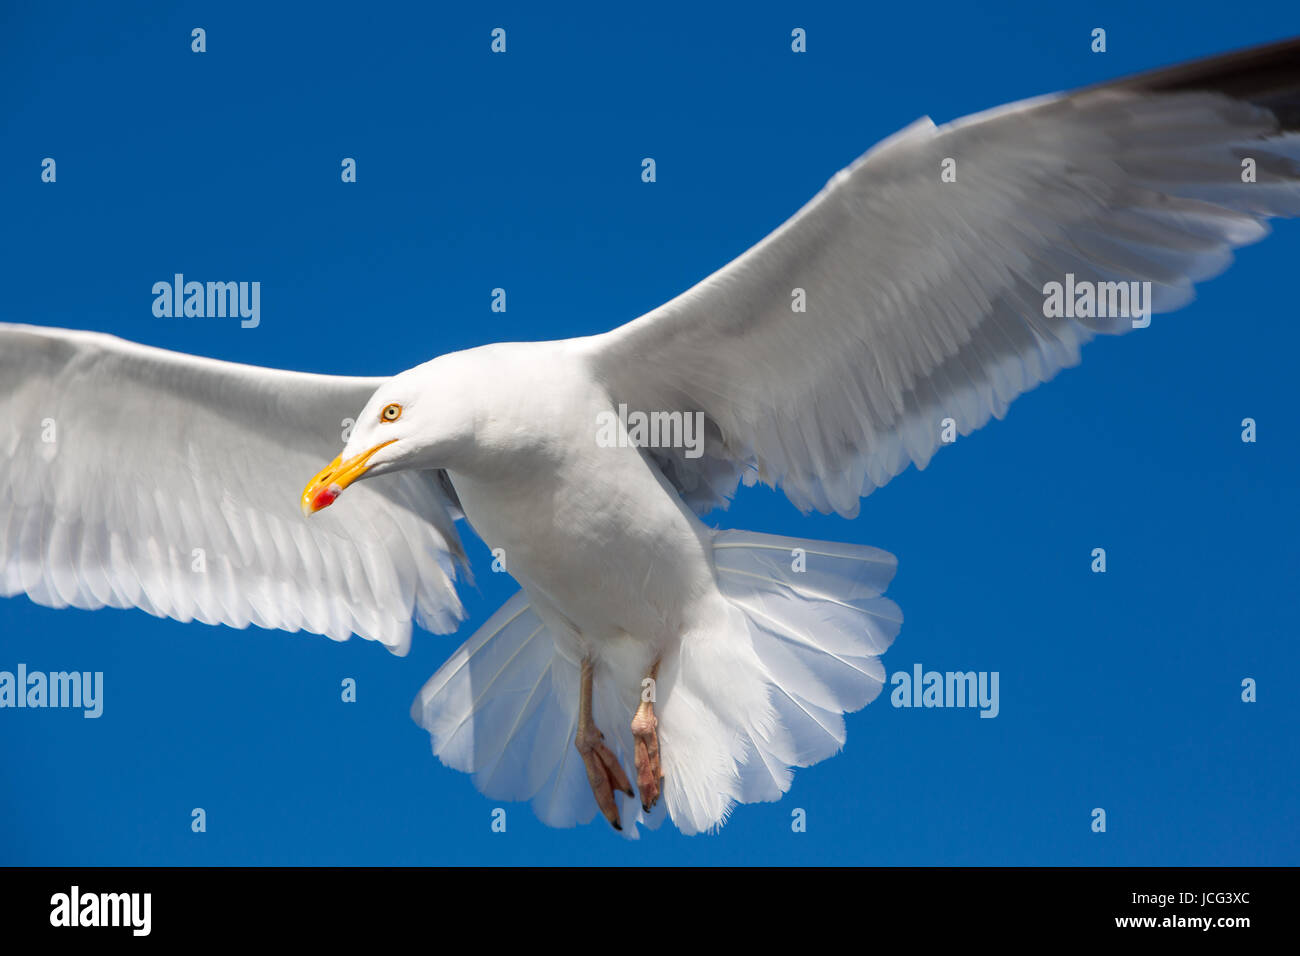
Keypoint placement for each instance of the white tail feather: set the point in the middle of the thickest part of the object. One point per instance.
(737, 710)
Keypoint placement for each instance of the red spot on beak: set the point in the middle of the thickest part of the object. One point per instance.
(325, 497)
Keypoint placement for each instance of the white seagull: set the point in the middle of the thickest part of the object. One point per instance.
(945, 272)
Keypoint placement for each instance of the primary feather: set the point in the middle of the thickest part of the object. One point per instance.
(925, 298)
(136, 477)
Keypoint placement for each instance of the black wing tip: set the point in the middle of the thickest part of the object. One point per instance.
(1266, 76)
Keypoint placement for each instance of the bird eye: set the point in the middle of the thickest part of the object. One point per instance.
(391, 413)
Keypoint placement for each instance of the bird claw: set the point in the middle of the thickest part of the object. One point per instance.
(649, 772)
(603, 773)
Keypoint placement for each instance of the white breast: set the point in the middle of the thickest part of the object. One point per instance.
(595, 533)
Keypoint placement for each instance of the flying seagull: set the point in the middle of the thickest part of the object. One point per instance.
(651, 665)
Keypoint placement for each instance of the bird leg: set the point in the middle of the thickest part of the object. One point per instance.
(603, 770)
(645, 728)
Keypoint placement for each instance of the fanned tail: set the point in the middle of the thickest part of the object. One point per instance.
(805, 625)
(809, 627)
(504, 708)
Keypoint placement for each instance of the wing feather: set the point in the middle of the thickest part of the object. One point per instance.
(136, 477)
(925, 299)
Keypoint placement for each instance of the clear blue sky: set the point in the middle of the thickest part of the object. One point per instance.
(522, 171)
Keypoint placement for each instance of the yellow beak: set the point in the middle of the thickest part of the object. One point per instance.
(334, 477)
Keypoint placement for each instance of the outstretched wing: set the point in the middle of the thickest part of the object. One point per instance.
(925, 299)
(137, 477)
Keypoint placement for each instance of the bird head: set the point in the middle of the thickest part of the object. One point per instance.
(418, 419)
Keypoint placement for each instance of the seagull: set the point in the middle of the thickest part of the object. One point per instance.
(651, 665)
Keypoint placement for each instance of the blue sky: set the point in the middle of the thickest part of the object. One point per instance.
(1118, 690)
